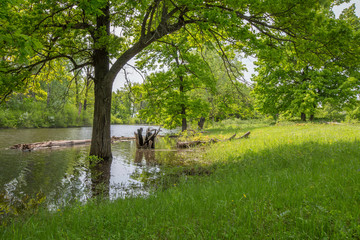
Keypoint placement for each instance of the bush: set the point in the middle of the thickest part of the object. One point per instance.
(330, 113)
(86, 118)
(36, 115)
(136, 120)
(8, 119)
(115, 120)
(353, 115)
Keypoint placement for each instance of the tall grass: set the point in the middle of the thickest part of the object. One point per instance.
(285, 182)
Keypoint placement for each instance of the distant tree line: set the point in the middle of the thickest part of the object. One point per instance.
(307, 59)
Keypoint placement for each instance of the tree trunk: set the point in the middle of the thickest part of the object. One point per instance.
(77, 98)
(77, 95)
(101, 138)
(201, 123)
(80, 107)
(184, 123)
(87, 87)
(311, 117)
(85, 103)
(48, 95)
(303, 117)
(182, 93)
(312, 113)
(104, 78)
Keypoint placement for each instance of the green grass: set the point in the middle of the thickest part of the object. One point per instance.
(285, 182)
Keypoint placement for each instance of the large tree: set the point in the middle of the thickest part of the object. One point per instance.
(179, 73)
(107, 34)
(291, 86)
(231, 97)
(295, 83)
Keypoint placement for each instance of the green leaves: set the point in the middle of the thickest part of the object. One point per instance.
(305, 75)
(288, 83)
(169, 92)
(33, 33)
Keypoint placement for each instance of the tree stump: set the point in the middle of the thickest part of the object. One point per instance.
(149, 141)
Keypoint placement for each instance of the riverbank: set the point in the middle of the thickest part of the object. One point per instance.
(297, 181)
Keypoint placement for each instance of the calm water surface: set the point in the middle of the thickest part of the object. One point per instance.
(63, 175)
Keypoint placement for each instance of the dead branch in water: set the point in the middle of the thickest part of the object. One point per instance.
(149, 140)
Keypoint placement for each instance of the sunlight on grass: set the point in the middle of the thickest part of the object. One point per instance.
(284, 182)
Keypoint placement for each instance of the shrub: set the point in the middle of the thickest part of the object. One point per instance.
(115, 120)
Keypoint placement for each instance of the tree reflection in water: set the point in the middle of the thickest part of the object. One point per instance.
(60, 177)
(149, 155)
(100, 178)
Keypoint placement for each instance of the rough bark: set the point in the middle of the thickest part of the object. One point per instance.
(101, 139)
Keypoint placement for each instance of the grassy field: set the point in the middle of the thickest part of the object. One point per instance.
(285, 182)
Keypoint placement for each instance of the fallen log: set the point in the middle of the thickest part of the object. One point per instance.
(121, 139)
(246, 135)
(189, 144)
(49, 144)
(213, 140)
(62, 143)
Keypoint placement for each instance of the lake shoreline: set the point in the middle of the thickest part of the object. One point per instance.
(262, 187)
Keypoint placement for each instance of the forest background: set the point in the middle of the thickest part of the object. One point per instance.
(182, 85)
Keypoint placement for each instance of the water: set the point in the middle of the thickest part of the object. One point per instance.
(64, 175)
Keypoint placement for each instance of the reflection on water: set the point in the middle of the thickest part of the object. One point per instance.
(65, 175)
(147, 155)
(100, 178)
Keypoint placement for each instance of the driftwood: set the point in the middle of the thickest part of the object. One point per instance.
(141, 142)
(246, 135)
(149, 140)
(172, 136)
(49, 144)
(121, 139)
(213, 140)
(62, 143)
(190, 144)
